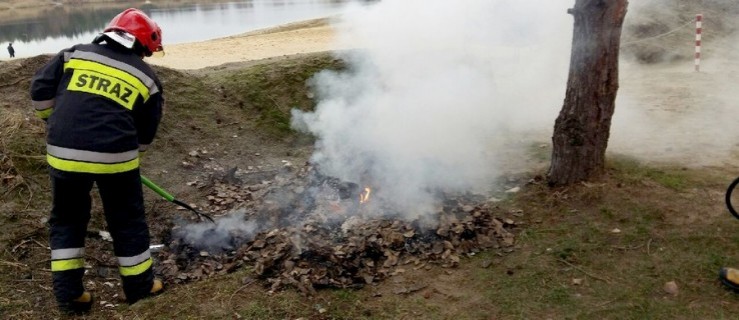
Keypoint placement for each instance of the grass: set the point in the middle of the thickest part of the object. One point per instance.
(623, 236)
(22, 171)
(673, 178)
(623, 272)
(269, 91)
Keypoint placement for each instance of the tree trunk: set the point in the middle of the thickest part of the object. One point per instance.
(582, 128)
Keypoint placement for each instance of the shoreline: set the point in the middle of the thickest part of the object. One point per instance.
(299, 37)
(309, 36)
(41, 4)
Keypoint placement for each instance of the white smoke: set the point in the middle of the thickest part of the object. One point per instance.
(435, 93)
(218, 237)
(667, 112)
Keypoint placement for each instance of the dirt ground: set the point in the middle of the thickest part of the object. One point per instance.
(569, 261)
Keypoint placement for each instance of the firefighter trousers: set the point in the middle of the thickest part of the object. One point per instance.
(123, 203)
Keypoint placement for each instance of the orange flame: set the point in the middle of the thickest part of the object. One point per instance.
(365, 195)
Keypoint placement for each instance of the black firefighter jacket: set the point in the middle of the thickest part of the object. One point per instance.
(102, 104)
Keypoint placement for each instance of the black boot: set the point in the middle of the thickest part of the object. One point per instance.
(157, 287)
(81, 305)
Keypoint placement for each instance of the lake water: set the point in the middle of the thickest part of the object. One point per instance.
(59, 27)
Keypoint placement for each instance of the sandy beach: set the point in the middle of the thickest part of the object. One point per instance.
(295, 38)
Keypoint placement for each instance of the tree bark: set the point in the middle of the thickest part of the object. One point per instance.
(583, 126)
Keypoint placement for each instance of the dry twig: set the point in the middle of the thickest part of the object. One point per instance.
(585, 272)
(240, 288)
(627, 247)
(13, 264)
(12, 84)
(19, 245)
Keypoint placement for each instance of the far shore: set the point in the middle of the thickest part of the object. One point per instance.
(9, 5)
(317, 35)
(310, 36)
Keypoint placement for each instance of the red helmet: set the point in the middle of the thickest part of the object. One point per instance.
(138, 24)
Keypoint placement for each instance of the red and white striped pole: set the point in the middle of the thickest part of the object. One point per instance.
(698, 32)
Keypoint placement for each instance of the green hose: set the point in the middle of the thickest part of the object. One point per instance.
(166, 195)
(157, 189)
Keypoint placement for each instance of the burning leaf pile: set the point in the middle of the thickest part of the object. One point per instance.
(304, 230)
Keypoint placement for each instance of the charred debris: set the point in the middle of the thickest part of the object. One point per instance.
(298, 228)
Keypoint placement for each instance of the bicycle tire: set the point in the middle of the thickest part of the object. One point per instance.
(729, 192)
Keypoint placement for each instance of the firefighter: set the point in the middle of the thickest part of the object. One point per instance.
(102, 104)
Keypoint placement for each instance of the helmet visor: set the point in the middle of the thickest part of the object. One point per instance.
(123, 38)
(159, 52)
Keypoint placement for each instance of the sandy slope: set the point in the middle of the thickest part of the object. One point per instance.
(670, 113)
(302, 37)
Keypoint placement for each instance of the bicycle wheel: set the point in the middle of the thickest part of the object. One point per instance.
(732, 198)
